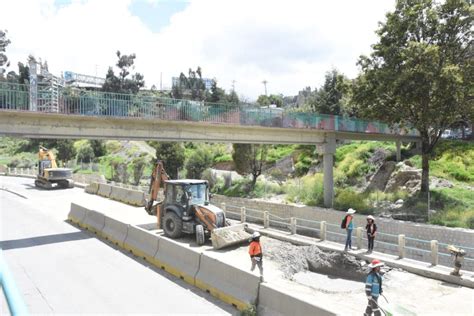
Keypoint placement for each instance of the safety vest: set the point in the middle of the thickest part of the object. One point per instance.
(255, 249)
(373, 284)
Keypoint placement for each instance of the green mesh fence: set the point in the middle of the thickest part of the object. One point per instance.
(96, 103)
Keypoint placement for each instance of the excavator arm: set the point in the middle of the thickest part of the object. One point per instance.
(45, 154)
(158, 178)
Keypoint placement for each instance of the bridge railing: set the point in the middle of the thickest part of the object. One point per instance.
(96, 103)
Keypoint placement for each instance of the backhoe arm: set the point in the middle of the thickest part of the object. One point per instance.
(158, 178)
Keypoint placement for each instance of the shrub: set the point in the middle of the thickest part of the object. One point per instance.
(307, 190)
(223, 158)
(210, 177)
(303, 164)
(200, 160)
(249, 311)
(112, 146)
(85, 153)
(138, 166)
(347, 198)
(470, 222)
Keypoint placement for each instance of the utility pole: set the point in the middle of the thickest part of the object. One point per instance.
(233, 85)
(265, 84)
(161, 81)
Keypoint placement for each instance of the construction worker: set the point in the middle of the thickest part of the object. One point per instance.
(255, 252)
(373, 288)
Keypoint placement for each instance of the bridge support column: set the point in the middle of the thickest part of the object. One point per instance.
(328, 149)
(399, 150)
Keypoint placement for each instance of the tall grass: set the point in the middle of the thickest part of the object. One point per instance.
(307, 190)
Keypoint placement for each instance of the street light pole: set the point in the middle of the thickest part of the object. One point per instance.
(265, 84)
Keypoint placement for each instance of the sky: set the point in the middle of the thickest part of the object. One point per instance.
(291, 44)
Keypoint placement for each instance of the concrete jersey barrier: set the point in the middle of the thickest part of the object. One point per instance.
(277, 302)
(142, 243)
(94, 222)
(115, 231)
(77, 214)
(179, 260)
(104, 190)
(131, 197)
(229, 284)
(92, 188)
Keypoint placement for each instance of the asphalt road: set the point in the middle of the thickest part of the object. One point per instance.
(61, 269)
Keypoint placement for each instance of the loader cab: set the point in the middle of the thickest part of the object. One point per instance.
(184, 193)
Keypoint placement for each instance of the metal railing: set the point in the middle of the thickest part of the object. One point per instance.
(147, 105)
(328, 231)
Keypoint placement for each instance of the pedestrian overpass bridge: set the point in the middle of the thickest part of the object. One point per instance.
(101, 115)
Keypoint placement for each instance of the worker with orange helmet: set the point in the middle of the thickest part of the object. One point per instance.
(373, 288)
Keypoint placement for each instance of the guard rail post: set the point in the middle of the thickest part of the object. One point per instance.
(266, 219)
(243, 214)
(434, 252)
(359, 237)
(401, 246)
(322, 230)
(293, 225)
(15, 170)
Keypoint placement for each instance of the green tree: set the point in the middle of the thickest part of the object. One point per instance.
(249, 159)
(217, 94)
(66, 150)
(23, 73)
(123, 83)
(200, 160)
(420, 72)
(98, 146)
(264, 100)
(232, 97)
(4, 42)
(85, 153)
(332, 97)
(138, 166)
(192, 86)
(172, 155)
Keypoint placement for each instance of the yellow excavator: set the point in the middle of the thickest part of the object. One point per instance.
(185, 209)
(49, 175)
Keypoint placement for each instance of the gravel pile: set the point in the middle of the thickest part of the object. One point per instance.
(293, 259)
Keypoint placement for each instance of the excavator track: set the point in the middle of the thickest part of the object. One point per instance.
(43, 184)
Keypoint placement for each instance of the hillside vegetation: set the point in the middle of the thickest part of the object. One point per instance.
(292, 174)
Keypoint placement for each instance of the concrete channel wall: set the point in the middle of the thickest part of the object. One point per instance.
(195, 266)
(418, 236)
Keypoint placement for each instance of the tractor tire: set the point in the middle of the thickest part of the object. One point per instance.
(172, 225)
(200, 237)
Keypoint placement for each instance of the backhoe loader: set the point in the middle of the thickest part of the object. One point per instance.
(186, 210)
(49, 175)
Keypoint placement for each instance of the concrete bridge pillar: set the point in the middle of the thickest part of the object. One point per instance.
(328, 149)
(399, 151)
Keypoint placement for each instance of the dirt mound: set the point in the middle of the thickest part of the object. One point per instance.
(293, 259)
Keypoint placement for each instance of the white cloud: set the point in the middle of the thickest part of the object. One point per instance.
(291, 44)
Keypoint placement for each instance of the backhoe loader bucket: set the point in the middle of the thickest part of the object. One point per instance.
(229, 235)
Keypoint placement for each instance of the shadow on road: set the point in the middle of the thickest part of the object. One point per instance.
(42, 240)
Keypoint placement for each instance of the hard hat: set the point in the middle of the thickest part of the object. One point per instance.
(370, 217)
(375, 263)
(255, 235)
